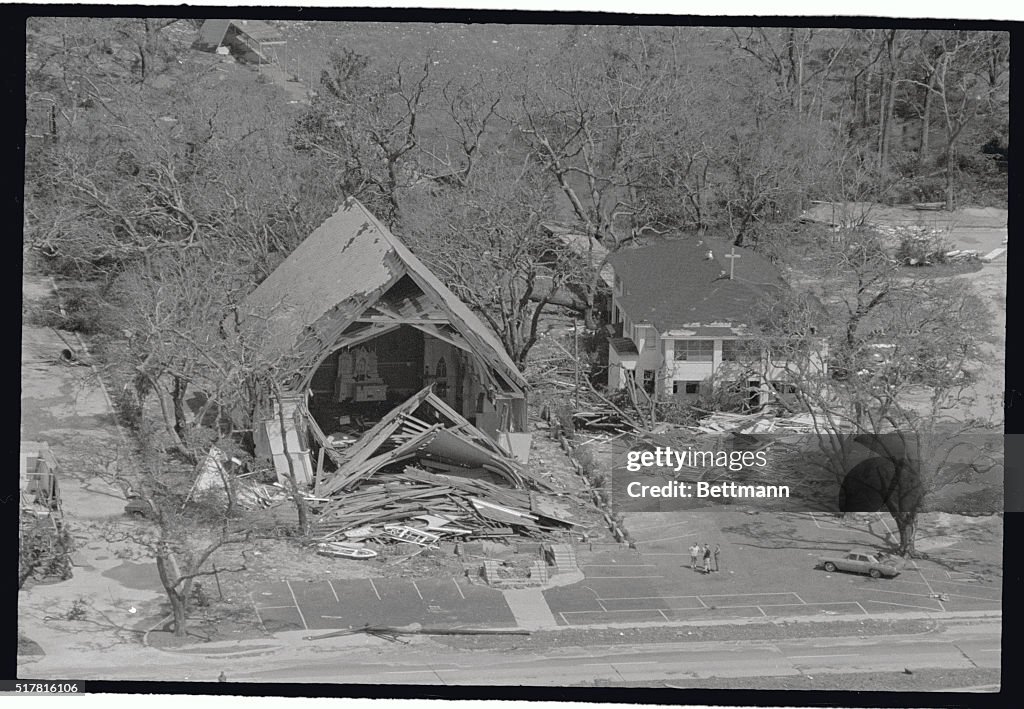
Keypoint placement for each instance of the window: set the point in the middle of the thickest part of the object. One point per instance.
(695, 350)
(649, 335)
(735, 350)
(682, 387)
(649, 381)
(784, 388)
(645, 334)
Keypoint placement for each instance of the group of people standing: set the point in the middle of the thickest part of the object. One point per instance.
(702, 552)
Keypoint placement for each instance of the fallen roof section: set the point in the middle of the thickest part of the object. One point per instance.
(343, 269)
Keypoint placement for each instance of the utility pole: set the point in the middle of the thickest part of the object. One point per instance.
(732, 256)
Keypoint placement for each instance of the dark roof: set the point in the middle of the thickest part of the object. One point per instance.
(673, 285)
(211, 34)
(344, 267)
(258, 30)
(624, 346)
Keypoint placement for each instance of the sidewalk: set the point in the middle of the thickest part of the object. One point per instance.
(67, 407)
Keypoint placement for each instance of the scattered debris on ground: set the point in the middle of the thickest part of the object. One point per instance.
(765, 421)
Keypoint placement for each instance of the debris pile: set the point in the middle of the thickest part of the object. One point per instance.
(396, 505)
(424, 473)
(762, 422)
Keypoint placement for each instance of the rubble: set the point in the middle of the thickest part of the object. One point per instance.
(420, 506)
(761, 422)
(423, 473)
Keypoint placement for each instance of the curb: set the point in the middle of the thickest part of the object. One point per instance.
(786, 620)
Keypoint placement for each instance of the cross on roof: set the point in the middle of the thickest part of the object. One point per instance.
(732, 256)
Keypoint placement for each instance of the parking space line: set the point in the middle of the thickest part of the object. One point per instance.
(666, 539)
(958, 583)
(862, 608)
(564, 619)
(730, 595)
(336, 600)
(958, 595)
(786, 605)
(645, 598)
(257, 611)
(374, 587)
(665, 553)
(273, 608)
(901, 593)
(634, 530)
(896, 580)
(663, 615)
(923, 595)
(930, 589)
(417, 589)
(807, 657)
(296, 600)
(457, 588)
(766, 605)
(603, 606)
(701, 600)
(625, 610)
(815, 520)
(591, 578)
(904, 605)
(800, 599)
(616, 565)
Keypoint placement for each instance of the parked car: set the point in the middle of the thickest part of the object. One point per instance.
(863, 561)
(137, 507)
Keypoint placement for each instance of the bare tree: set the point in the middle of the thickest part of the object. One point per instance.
(183, 530)
(366, 123)
(964, 71)
(902, 394)
(486, 240)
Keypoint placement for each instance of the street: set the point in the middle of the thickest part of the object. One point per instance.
(366, 660)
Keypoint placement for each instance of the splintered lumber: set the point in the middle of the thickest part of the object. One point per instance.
(482, 508)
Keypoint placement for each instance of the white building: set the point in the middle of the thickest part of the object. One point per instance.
(686, 321)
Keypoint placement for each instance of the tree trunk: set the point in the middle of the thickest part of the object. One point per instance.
(165, 411)
(178, 610)
(926, 118)
(293, 484)
(167, 570)
(907, 526)
(950, 158)
(178, 401)
(887, 125)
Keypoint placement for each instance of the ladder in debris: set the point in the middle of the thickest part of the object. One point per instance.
(409, 534)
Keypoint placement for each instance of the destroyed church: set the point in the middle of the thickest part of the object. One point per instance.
(388, 369)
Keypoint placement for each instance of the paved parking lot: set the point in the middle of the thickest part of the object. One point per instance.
(768, 571)
(354, 603)
(655, 583)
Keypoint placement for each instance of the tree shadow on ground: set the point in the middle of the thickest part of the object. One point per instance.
(780, 535)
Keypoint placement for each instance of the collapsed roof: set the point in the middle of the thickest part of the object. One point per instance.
(343, 269)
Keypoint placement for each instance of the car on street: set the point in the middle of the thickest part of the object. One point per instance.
(137, 507)
(863, 561)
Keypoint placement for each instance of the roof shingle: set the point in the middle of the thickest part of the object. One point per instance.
(673, 285)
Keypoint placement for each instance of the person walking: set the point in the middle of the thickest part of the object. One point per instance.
(718, 550)
(707, 559)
